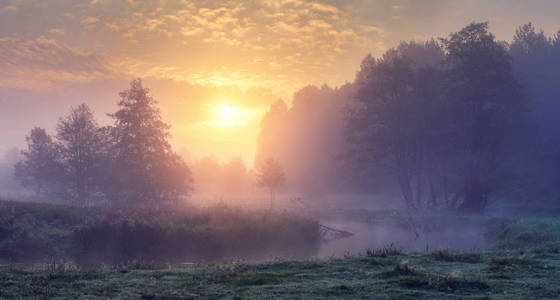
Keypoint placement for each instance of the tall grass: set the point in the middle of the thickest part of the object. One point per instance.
(95, 236)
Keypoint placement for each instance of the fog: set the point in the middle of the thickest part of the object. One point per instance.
(427, 144)
(378, 235)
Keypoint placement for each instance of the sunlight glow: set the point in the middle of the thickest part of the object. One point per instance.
(229, 115)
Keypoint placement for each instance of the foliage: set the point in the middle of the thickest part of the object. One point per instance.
(82, 146)
(441, 118)
(128, 163)
(488, 106)
(395, 113)
(40, 168)
(95, 236)
(146, 170)
(532, 169)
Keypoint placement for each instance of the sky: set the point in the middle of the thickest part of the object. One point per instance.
(214, 66)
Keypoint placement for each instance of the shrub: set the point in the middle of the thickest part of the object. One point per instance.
(31, 232)
(389, 250)
(234, 234)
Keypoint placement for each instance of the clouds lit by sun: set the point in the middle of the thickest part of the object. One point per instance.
(214, 66)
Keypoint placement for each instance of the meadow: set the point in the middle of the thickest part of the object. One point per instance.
(522, 261)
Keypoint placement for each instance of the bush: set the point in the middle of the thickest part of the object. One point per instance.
(92, 236)
(389, 250)
(225, 235)
(125, 242)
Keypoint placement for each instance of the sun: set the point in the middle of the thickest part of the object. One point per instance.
(229, 115)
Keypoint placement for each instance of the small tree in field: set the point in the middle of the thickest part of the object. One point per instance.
(270, 175)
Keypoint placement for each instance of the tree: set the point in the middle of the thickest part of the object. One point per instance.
(393, 116)
(308, 139)
(81, 147)
(534, 172)
(527, 41)
(7, 164)
(144, 159)
(40, 168)
(270, 175)
(486, 105)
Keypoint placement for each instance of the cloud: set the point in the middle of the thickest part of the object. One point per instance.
(374, 29)
(89, 21)
(268, 42)
(112, 27)
(9, 8)
(190, 31)
(59, 31)
(41, 62)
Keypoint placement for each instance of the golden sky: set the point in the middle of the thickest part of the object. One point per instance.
(214, 66)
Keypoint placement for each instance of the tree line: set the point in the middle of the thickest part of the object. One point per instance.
(454, 123)
(130, 162)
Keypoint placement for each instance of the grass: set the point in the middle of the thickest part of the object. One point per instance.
(31, 232)
(523, 232)
(524, 263)
(389, 250)
(447, 255)
(402, 276)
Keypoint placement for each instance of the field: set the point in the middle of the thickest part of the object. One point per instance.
(522, 262)
(493, 274)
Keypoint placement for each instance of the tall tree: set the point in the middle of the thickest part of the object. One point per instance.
(392, 116)
(143, 154)
(307, 138)
(81, 147)
(487, 105)
(534, 167)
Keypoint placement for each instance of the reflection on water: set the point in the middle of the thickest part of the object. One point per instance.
(371, 236)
